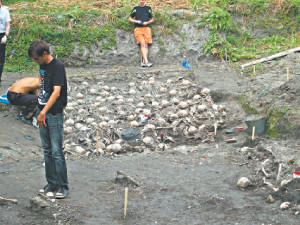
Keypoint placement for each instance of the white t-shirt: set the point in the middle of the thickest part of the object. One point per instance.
(4, 17)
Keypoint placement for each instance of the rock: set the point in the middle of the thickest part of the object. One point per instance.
(270, 199)
(39, 202)
(243, 182)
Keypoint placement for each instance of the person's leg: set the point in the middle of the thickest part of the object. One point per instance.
(30, 102)
(144, 50)
(2, 57)
(55, 126)
(50, 167)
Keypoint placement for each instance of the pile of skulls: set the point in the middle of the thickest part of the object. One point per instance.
(97, 113)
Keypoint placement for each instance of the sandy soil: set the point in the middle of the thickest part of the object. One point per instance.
(190, 183)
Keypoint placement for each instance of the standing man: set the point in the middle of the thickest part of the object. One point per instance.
(51, 101)
(4, 31)
(142, 17)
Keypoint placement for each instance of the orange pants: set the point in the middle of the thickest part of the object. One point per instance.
(143, 33)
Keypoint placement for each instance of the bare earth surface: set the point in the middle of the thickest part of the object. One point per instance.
(189, 183)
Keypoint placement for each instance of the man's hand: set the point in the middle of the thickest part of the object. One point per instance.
(41, 120)
(4, 39)
(145, 23)
(138, 22)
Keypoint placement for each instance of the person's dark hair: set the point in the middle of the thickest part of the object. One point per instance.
(39, 47)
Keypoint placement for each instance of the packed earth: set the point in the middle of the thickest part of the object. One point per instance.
(177, 138)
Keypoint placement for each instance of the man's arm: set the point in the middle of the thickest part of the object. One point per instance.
(131, 20)
(7, 28)
(42, 116)
(149, 22)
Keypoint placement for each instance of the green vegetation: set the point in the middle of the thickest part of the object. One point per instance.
(247, 106)
(90, 24)
(65, 24)
(237, 19)
(278, 122)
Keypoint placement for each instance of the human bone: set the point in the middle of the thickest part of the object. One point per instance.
(182, 113)
(131, 84)
(138, 110)
(130, 117)
(106, 118)
(186, 82)
(169, 81)
(120, 101)
(89, 120)
(150, 126)
(104, 93)
(285, 205)
(106, 88)
(112, 122)
(68, 130)
(151, 80)
(80, 102)
(183, 105)
(192, 130)
(69, 122)
(175, 101)
(93, 91)
(81, 111)
(201, 108)
(114, 148)
(155, 104)
(141, 105)
(205, 91)
(201, 128)
(148, 140)
(102, 109)
(132, 92)
(163, 89)
(103, 124)
(130, 100)
(173, 92)
(78, 126)
(80, 150)
(134, 123)
(196, 97)
(79, 96)
(243, 182)
(164, 103)
(69, 108)
(173, 116)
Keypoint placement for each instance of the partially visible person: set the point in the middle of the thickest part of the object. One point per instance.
(142, 17)
(4, 31)
(51, 101)
(24, 92)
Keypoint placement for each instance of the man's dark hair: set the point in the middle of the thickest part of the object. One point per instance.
(39, 47)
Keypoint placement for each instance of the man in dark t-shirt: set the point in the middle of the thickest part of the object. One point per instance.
(51, 102)
(142, 16)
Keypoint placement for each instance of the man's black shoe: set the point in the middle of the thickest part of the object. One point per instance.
(62, 193)
(48, 190)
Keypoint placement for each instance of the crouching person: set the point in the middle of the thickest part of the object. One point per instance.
(24, 92)
(51, 102)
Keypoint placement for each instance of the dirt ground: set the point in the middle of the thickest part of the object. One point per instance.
(189, 183)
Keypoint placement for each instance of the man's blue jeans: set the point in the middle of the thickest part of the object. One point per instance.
(52, 138)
